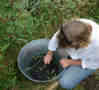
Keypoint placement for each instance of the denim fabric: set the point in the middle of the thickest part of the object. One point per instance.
(73, 75)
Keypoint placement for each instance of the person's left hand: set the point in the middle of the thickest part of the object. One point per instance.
(65, 62)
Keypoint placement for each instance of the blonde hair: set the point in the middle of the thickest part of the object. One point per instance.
(74, 31)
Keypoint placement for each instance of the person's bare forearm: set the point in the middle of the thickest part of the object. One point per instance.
(75, 62)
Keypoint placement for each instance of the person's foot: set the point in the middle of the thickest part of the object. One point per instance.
(53, 86)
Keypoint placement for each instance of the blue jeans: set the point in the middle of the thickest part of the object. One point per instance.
(69, 77)
(73, 75)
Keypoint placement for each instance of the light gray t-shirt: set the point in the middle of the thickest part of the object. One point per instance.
(88, 55)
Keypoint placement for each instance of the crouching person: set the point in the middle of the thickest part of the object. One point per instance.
(79, 39)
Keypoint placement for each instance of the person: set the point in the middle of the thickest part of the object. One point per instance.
(79, 39)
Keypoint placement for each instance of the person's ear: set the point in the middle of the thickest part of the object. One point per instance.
(89, 28)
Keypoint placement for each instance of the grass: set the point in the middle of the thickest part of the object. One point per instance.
(19, 26)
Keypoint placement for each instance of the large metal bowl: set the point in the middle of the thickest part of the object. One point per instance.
(25, 62)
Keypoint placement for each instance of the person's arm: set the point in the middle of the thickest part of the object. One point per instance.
(75, 62)
(52, 45)
(90, 59)
(53, 42)
(70, 62)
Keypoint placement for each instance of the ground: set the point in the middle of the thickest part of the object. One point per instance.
(18, 27)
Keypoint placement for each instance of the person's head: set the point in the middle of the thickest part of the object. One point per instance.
(74, 34)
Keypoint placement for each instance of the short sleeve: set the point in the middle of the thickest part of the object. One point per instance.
(53, 42)
(90, 59)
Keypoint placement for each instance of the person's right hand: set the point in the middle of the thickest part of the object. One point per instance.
(47, 59)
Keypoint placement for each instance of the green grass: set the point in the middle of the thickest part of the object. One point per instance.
(19, 26)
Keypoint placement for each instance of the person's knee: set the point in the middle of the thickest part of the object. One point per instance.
(66, 83)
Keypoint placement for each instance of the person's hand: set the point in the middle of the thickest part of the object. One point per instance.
(65, 62)
(47, 59)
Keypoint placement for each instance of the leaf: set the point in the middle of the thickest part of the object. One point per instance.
(79, 87)
(13, 81)
(2, 66)
(1, 57)
(97, 77)
(5, 47)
